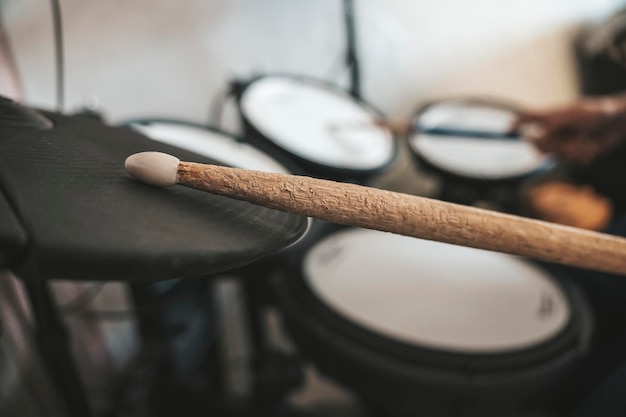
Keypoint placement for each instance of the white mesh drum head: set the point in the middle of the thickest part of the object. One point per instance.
(436, 295)
(221, 147)
(317, 123)
(471, 156)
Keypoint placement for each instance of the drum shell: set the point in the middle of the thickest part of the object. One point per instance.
(311, 168)
(403, 379)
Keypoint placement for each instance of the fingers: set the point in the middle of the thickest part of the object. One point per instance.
(525, 118)
(583, 149)
(575, 134)
(532, 127)
(617, 51)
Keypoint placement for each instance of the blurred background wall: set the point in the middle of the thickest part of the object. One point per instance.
(172, 58)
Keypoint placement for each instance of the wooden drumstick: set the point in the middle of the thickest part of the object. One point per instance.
(371, 208)
(402, 129)
(399, 127)
(529, 131)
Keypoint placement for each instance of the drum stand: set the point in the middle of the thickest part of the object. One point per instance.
(167, 311)
(274, 373)
(153, 380)
(54, 345)
(352, 61)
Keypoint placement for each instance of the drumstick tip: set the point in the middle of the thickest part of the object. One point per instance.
(153, 168)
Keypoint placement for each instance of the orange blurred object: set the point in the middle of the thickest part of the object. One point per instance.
(570, 204)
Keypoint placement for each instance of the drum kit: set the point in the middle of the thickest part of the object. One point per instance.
(410, 326)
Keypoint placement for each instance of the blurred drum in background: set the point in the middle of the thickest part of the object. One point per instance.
(213, 143)
(417, 327)
(470, 146)
(304, 119)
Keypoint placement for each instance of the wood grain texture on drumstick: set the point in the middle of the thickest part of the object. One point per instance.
(359, 206)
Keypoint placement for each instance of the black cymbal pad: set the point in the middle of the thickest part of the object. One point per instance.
(86, 219)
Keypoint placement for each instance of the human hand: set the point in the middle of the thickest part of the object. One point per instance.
(577, 133)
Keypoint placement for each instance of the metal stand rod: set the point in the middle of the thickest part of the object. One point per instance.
(352, 60)
(55, 348)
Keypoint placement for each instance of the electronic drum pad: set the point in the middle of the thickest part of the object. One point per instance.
(68, 207)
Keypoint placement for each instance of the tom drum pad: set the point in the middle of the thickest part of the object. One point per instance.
(470, 145)
(323, 128)
(416, 325)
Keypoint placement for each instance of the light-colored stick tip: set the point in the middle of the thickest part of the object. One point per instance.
(154, 168)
